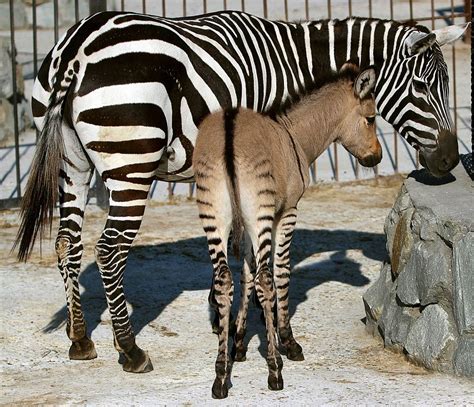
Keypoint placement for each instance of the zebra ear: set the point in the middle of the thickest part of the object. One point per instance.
(365, 83)
(418, 42)
(450, 33)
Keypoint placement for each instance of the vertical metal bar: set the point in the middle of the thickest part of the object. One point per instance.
(191, 190)
(144, 6)
(329, 9)
(56, 20)
(35, 39)
(163, 8)
(350, 8)
(370, 8)
(15, 100)
(242, 5)
(185, 11)
(76, 10)
(411, 19)
(286, 10)
(411, 9)
(122, 5)
(265, 9)
(454, 76)
(395, 135)
(336, 163)
(306, 9)
(468, 13)
(432, 15)
(170, 191)
(225, 8)
(204, 6)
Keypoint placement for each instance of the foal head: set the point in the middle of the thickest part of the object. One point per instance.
(356, 132)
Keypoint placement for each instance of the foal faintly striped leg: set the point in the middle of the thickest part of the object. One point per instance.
(247, 284)
(281, 271)
(123, 222)
(264, 287)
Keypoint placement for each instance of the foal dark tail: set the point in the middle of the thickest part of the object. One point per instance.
(41, 192)
(237, 223)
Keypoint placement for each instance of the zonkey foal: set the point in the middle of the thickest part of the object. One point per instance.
(251, 170)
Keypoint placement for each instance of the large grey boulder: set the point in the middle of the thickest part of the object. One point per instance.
(423, 302)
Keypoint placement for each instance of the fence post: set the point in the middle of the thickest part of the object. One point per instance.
(468, 12)
(97, 5)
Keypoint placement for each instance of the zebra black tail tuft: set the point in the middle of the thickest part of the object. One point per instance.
(41, 192)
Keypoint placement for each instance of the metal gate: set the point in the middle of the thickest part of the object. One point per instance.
(45, 22)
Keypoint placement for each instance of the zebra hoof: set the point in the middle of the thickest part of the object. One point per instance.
(82, 349)
(275, 381)
(137, 361)
(219, 389)
(240, 356)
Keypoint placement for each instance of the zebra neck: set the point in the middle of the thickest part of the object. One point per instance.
(365, 42)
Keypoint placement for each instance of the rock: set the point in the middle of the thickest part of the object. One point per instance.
(426, 308)
(464, 357)
(374, 297)
(402, 242)
(463, 274)
(431, 338)
(426, 277)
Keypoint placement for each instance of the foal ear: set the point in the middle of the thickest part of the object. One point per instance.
(365, 83)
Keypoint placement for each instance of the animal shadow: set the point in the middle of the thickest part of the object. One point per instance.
(157, 274)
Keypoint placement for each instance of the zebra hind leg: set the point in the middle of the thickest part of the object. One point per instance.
(74, 179)
(111, 251)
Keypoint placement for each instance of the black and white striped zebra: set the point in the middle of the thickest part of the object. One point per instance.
(125, 93)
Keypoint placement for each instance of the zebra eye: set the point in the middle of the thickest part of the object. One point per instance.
(420, 86)
(370, 119)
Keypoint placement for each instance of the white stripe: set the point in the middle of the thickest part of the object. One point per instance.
(361, 33)
(307, 43)
(350, 24)
(332, 58)
(385, 39)
(373, 25)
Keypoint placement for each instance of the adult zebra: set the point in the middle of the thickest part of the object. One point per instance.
(124, 93)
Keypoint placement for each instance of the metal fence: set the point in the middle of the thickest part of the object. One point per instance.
(29, 52)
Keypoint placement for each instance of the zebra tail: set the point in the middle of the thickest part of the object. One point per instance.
(232, 182)
(42, 189)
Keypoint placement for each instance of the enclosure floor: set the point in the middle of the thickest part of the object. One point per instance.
(337, 252)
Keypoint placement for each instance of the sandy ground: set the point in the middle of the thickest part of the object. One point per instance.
(338, 248)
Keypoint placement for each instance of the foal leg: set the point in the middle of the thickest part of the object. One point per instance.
(123, 222)
(266, 294)
(247, 284)
(281, 270)
(74, 179)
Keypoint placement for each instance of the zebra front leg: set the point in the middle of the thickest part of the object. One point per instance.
(247, 284)
(266, 295)
(281, 271)
(74, 180)
(112, 250)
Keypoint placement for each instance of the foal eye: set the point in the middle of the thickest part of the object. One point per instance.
(370, 119)
(420, 86)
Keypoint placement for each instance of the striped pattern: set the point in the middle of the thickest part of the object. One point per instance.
(129, 92)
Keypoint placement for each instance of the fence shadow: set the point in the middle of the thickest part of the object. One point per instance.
(157, 274)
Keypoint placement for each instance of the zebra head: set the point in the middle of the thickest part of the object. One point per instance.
(413, 95)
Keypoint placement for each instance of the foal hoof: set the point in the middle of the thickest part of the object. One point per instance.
(219, 389)
(275, 381)
(137, 361)
(295, 353)
(82, 349)
(240, 356)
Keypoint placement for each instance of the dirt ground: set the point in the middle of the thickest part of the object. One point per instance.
(337, 252)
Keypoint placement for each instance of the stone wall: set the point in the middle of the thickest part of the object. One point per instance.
(423, 302)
